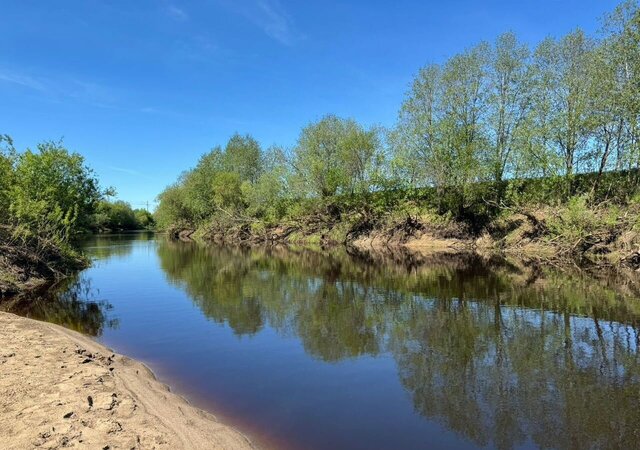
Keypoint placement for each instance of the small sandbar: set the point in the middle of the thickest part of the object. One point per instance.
(59, 389)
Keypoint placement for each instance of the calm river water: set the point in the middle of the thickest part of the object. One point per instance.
(325, 350)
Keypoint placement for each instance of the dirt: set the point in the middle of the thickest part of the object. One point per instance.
(526, 233)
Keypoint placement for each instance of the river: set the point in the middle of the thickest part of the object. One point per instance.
(310, 349)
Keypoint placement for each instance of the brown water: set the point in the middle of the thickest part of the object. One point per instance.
(323, 350)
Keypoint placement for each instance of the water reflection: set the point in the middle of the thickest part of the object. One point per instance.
(105, 246)
(494, 353)
(73, 303)
(505, 375)
(501, 354)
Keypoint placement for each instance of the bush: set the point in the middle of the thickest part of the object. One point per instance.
(52, 193)
(144, 219)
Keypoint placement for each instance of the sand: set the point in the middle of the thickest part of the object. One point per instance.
(60, 389)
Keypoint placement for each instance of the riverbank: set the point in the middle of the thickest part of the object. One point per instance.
(31, 262)
(61, 389)
(605, 235)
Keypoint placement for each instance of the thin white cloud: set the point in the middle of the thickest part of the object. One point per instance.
(176, 13)
(21, 79)
(132, 172)
(93, 93)
(150, 110)
(197, 47)
(125, 170)
(61, 88)
(270, 16)
(273, 19)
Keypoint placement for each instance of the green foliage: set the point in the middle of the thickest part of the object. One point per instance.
(243, 156)
(172, 208)
(119, 216)
(46, 197)
(579, 221)
(502, 111)
(144, 219)
(7, 174)
(336, 156)
(509, 104)
(226, 190)
(226, 182)
(53, 192)
(266, 197)
(576, 220)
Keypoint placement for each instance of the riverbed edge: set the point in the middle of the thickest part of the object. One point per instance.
(528, 236)
(174, 420)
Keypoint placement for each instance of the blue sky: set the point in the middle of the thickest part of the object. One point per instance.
(142, 88)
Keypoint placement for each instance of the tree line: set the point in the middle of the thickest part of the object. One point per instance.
(118, 215)
(483, 124)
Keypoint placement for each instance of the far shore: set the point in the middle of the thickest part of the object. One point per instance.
(61, 389)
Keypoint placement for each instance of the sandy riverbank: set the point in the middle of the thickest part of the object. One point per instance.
(61, 389)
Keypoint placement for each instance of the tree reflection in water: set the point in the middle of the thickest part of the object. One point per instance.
(104, 246)
(72, 304)
(499, 353)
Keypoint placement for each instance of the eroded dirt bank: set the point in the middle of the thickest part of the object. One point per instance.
(605, 237)
(61, 389)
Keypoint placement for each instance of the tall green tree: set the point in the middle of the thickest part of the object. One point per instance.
(317, 156)
(116, 215)
(441, 139)
(608, 115)
(335, 155)
(198, 184)
(361, 157)
(172, 208)
(565, 66)
(266, 198)
(144, 219)
(539, 157)
(243, 155)
(218, 184)
(508, 104)
(622, 43)
(464, 99)
(416, 140)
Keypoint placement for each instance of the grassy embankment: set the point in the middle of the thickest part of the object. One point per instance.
(535, 219)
